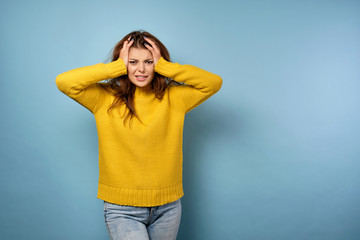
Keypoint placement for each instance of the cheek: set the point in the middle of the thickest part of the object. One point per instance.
(150, 70)
(130, 69)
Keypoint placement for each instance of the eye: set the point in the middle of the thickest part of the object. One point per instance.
(132, 62)
(150, 62)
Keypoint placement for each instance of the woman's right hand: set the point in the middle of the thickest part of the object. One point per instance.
(124, 51)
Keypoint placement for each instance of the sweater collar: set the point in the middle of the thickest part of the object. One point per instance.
(141, 92)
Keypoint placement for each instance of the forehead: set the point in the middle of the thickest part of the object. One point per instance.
(139, 53)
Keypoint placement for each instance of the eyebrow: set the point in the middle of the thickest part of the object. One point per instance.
(144, 60)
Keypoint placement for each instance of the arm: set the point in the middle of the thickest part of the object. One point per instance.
(200, 84)
(81, 83)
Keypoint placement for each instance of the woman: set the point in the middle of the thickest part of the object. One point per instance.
(139, 115)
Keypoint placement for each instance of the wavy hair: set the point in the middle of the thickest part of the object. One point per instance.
(123, 89)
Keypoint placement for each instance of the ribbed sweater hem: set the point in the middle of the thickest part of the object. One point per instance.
(140, 197)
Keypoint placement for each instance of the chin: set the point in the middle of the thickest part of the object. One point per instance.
(142, 84)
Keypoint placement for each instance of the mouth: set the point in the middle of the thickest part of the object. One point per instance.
(140, 77)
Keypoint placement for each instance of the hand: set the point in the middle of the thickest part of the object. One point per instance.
(124, 52)
(154, 49)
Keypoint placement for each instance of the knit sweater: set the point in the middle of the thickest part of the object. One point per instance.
(140, 164)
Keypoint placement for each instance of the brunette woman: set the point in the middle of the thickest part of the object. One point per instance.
(139, 111)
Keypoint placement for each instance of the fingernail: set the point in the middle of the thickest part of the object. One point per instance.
(145, 37)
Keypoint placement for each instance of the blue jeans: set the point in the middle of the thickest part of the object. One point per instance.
(140, 223)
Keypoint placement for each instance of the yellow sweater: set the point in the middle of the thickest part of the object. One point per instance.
(140, 165)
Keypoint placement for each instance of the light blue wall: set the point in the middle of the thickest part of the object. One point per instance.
(274, 155)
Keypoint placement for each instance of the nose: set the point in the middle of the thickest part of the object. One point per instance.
(141, 67)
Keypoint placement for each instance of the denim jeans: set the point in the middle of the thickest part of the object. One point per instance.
(140, 223)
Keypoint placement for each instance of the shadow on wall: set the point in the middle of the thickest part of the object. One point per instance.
(204, 128)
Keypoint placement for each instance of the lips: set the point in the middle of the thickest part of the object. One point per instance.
(140, 77)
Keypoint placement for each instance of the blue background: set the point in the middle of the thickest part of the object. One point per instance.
(274, 155)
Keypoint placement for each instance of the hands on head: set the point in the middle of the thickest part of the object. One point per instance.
(150, 45)
(124, 51)
(155, 51)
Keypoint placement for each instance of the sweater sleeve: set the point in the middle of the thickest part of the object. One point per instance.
(81, 84)
(199, 84)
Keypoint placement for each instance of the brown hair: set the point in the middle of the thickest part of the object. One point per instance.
(123, 89)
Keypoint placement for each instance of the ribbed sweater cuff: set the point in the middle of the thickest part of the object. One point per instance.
(116, 68)
(140, 197)
(165, 68)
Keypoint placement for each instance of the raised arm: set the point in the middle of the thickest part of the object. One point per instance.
(199, 84)
(81, 83)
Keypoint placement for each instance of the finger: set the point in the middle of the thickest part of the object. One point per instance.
(125, 44)
(153, 44)
(131, 41)
(128, 42)
(148, 46)
(124, 47)
(151, 49)
(149, 40)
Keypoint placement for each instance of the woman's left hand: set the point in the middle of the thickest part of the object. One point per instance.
(154, 49)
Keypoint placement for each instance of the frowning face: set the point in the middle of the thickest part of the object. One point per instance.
(140, 67)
